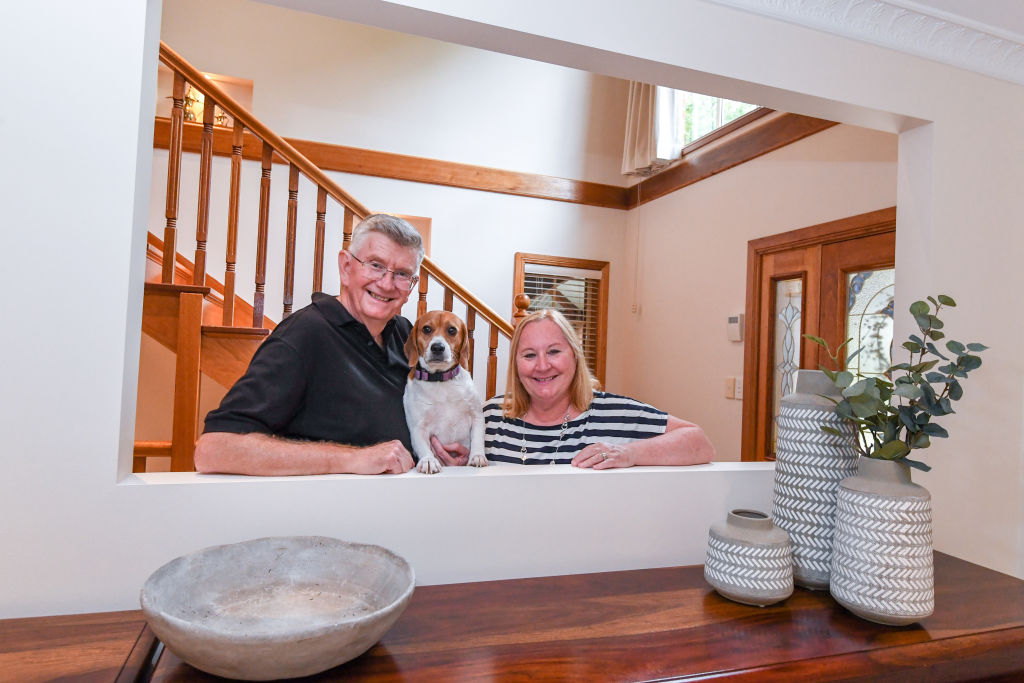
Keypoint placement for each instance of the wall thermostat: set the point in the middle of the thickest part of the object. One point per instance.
(734, 327)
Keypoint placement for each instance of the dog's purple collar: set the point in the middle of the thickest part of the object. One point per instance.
(436, 376)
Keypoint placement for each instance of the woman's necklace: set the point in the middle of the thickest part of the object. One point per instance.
(561, 434)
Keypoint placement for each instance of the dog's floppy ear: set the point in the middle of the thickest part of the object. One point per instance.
(412, 349)
(464, 351)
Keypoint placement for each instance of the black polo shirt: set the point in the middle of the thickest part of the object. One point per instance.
(320, 376)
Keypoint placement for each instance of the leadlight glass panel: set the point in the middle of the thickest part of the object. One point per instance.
(869, 320)
(788, 331)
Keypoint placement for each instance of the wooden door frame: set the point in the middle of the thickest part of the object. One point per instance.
(853, 227)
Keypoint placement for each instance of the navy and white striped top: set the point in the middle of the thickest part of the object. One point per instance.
(610, 419)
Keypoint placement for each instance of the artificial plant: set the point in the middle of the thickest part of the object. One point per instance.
(895, 412)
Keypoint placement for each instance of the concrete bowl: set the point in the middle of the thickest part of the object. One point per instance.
(276, 607)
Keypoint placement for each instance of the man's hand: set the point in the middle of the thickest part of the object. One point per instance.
(449, 454)
(389, 457)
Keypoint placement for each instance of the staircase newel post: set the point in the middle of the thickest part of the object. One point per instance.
(185, 418)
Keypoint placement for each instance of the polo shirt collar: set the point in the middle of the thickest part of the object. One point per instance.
(336, 314)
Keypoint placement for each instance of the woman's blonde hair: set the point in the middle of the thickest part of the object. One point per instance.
(581, 390)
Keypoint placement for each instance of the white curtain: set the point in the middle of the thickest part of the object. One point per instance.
(654, 128)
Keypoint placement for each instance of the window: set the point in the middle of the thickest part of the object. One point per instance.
(578, 289)
(687, 117)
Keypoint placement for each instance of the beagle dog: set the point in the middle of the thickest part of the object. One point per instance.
(440, 399)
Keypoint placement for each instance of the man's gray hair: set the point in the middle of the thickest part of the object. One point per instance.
(394, 228)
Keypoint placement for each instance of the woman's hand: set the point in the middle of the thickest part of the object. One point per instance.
(604, 456)
(450, 454)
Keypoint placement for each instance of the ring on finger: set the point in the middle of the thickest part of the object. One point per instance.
(604, 456)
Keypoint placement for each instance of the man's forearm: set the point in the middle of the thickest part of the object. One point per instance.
(265, 455)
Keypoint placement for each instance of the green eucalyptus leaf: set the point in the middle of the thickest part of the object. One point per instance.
(968, 363)
(955, 347)
(936, 335)
(911, 346)
(935, 377)
(917, 465)
(932, 429)
(920, 441)
(817, 340)
(934, 302)
(924, 323)
(936, 324)
(956, 392)
(853, 355)
(844, 379)
(946, 406)
(917, 340)
(922, 418)
(919, 308)
(924, 367)
(891, 451)
(947, 300)
(831, 430)
(906, 415)
(976, 347)
(898, 366)
(911, 391)
(932, 349)
(831, 374)
(864, 405)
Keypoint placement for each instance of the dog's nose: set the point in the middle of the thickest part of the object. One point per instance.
(437, 348)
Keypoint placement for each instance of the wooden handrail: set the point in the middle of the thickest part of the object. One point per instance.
(281, 147)
(176, 62)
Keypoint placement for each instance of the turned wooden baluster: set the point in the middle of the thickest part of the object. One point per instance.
(261, 240)
(492, 362)
(173, 177)
(203, 210)
(289, 246)
(231, 249)
(449, 299)
(318, 240)
(421, 305)
(470, 327)
(347, 226)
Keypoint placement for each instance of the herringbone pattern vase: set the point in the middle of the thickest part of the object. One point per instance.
(749, 560)
(809, 464)
(882, 557)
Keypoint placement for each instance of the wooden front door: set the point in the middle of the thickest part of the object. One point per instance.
(811, 281)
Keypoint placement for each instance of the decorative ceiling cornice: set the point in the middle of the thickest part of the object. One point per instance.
(905, 26)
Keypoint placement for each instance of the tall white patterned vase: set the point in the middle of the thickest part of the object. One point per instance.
(882, 562)
(749, 559)
(809, 464)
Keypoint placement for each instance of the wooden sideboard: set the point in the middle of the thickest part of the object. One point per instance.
(652, 624)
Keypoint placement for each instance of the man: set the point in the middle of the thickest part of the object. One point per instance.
(323, 393)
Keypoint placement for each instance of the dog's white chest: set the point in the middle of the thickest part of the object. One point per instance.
(442, 409)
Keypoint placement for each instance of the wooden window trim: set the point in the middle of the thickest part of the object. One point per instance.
(519, 285)
(815, 236)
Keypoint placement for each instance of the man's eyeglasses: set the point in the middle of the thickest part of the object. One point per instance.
(377, 271)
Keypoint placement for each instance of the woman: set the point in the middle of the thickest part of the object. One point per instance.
(551, 414)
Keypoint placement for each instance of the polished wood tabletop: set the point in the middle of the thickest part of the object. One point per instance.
(653, 624)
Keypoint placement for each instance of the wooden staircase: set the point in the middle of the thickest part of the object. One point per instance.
(209, 327)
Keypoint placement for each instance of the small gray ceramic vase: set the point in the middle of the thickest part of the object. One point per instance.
(882, 564)
(749, 559)
(809, 464)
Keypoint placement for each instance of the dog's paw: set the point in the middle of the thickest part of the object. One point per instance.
(428, 466)
(478, 460)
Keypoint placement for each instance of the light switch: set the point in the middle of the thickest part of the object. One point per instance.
(730, 387)
(739, 388)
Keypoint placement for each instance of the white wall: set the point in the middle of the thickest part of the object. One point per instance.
(693, 260)
(334, 81)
